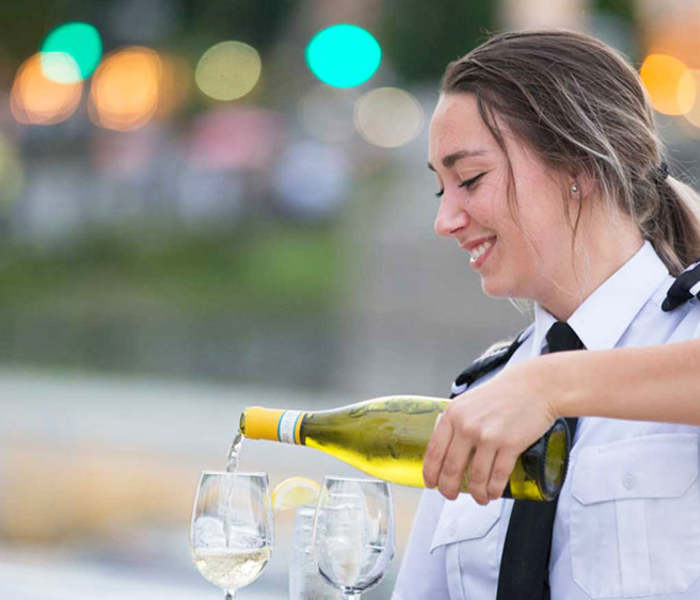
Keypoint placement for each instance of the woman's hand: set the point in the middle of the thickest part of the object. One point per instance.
(487, 428)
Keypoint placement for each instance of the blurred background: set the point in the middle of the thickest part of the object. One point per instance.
(213, 204)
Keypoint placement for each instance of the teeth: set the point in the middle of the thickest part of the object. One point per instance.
(479, 250)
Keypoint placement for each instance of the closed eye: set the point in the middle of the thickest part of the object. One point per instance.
(470, 182)
(465, 184)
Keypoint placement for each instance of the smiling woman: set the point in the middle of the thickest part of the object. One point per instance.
(521, 257)
(551, 175)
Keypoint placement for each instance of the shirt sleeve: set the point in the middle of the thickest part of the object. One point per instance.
(422, 574)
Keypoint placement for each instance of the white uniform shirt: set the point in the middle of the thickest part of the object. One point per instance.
(628, 519)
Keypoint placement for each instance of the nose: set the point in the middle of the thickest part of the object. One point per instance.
(451, 218)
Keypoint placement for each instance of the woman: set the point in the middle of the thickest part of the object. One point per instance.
(551, 176)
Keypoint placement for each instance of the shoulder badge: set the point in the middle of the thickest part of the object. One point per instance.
(495, 357)
(685, 287)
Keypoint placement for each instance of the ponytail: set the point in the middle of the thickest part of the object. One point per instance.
(674, 227)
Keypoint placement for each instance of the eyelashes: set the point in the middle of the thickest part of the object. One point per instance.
(465, 184)
(470, 182)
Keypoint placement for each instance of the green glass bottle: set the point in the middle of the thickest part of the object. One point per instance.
(387, 438)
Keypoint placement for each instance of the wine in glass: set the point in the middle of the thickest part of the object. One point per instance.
(354, 533)
(231, 533)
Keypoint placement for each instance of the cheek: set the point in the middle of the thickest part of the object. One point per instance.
(524, 241)
(488, 209)
(541, 246)
(550, 228)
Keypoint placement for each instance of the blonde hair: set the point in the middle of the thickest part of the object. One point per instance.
(582, 109)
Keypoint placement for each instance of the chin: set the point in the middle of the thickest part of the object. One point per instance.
(493, 289)
(498, 288)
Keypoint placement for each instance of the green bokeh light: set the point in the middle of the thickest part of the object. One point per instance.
(79, 40)
(343, 55)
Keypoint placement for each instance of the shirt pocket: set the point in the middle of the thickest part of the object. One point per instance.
(635, 516)
(468, 533)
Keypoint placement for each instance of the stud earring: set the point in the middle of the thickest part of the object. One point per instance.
(574, 188)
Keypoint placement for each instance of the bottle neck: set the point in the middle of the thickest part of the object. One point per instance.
(273, 424)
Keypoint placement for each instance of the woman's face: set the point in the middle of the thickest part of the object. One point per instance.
(517, 260)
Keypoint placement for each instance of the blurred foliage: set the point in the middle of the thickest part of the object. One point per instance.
(23, 25)
(251, 21)
(624, 9)
(269, 267)
(420, 39)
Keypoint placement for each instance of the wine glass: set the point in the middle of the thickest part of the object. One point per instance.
(353, 534)
(231, 533)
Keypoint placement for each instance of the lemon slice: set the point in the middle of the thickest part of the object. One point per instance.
(295, 492)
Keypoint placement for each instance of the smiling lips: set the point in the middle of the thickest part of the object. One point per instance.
(479, 251)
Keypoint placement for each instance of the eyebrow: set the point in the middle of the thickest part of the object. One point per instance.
(449, 161)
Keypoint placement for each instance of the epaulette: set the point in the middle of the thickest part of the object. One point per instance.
(495, 357)
(686, 286)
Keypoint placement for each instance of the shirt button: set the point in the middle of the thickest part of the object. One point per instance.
(628, 481)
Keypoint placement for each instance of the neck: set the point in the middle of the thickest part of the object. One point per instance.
(598, 253)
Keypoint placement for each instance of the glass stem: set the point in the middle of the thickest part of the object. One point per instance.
(352, 596)
(230, 595)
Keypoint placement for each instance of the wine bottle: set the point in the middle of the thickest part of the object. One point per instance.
(387, 438)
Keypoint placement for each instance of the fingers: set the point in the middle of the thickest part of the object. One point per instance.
(480, 473)
(435, 452)
(503, 466)
(454, 465)
(490, 471)
(460, 444)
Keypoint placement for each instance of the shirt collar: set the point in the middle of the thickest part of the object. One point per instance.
(606, 314)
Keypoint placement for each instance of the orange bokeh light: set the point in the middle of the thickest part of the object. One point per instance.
(693, 113)
(38, 100)
(176, 85)
(126, 89)
(662, 76)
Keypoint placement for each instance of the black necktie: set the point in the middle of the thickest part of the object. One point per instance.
(524, 573)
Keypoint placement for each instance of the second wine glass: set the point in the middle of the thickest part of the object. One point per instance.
(354, 533)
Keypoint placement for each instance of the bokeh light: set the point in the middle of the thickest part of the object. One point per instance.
(326, 113)
(388, 117)
(81, 41)
(692, 112)
(228, 71)
(38, 100)
(687, 91)
(343, 55)
(661, 75)
(126, 89)
(176, 84)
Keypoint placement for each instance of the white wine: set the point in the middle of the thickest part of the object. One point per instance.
(228, 568)
(233, 452)
(387, 438)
